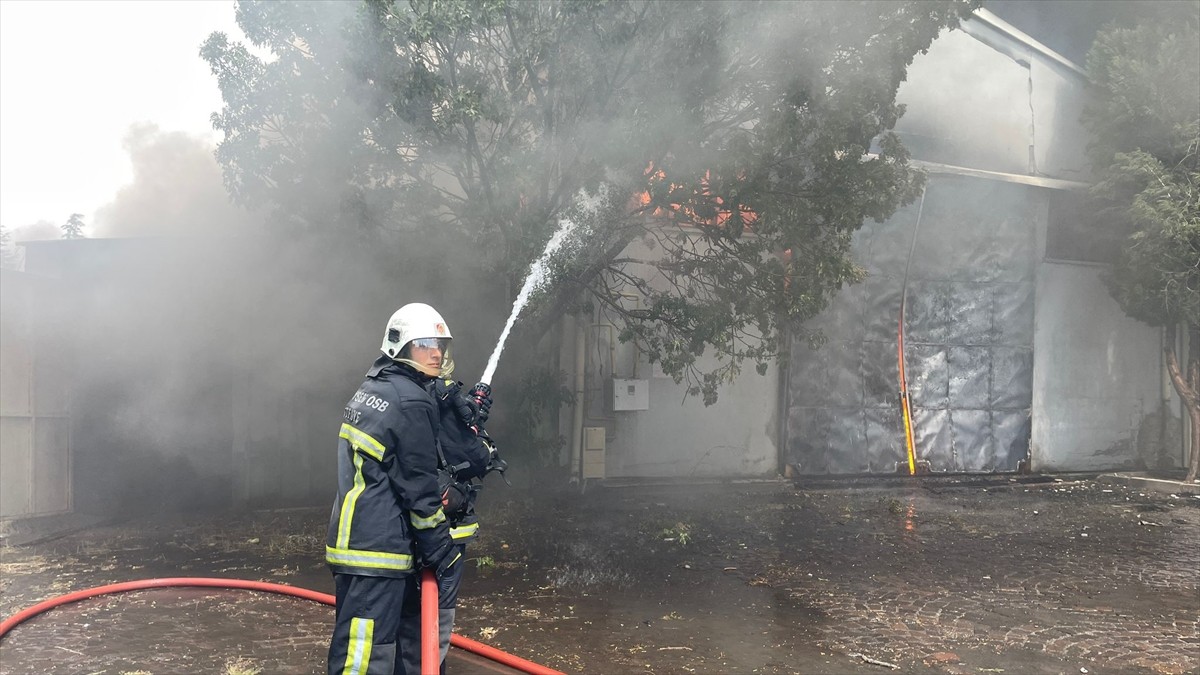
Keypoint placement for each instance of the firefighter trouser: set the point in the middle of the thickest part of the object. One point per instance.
(366, 624)
(409, 660)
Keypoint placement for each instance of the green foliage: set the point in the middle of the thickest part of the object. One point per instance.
(1146, 118)
(1157, 279)
(681, 533)
(1148, 82)
(728, 138)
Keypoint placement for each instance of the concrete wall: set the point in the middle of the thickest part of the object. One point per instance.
(680, 437)
(966, 105)
(981, 98)
(677, 436)
(1096, 375)
(1060, 142)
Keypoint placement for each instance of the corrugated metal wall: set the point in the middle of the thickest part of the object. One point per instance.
(35, 430)
(969, 339)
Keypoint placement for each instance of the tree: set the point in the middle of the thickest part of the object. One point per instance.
(744, 142)
(9, 257)
(73, 228)
(1146, 119)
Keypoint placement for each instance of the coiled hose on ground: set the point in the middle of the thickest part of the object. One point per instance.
(459, 641)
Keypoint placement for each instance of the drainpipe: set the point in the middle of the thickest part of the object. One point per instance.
(784, 394)
(1164, 403)
(1185, 346)
(577, 417)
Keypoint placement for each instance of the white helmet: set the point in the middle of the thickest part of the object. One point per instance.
(417, 321)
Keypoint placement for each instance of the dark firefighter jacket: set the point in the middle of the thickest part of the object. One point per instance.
(460, 444)
(387, 497)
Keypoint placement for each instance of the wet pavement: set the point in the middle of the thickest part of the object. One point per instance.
(835, 577)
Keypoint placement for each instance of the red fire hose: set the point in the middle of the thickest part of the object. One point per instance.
(429, 630)
(430, 649)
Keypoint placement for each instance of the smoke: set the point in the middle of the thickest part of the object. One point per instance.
(207, 366)
(214, 354)
(967, 105)
(39, 231)
(210, 369)
(208, 355)
(12, 253)
(998, 104)
(176, 190)
(215, 358)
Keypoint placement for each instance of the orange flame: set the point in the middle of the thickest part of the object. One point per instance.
(682, 204)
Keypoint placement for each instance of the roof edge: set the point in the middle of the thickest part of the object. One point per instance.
(1021, 179)
(986, 18)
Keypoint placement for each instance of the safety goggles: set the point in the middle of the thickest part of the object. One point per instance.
(440, 344)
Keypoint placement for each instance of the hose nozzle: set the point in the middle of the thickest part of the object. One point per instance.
(481, 396)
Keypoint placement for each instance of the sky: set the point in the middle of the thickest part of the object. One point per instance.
(76, 76)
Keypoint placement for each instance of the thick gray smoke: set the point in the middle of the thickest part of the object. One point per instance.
(41, 230)
(220, 351)
(176, 190)
(215, 368)
(14, 252)
(1000, 109)
(965, 108)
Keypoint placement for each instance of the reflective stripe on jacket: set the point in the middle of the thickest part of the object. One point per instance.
(465, 530)
(387, 503)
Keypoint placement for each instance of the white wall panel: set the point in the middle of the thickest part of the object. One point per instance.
(1096, 375)
(35, 434)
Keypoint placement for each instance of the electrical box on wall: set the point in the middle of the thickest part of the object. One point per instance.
(631, 394)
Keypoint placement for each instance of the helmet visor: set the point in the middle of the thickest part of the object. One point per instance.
(440, 344)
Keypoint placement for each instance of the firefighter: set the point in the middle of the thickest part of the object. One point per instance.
(388, 520)
(467, 453)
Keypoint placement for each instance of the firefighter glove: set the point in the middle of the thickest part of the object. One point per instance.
(468, 412)
(451, 393)
(481, 393)
(444, 558)
(455, 499)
